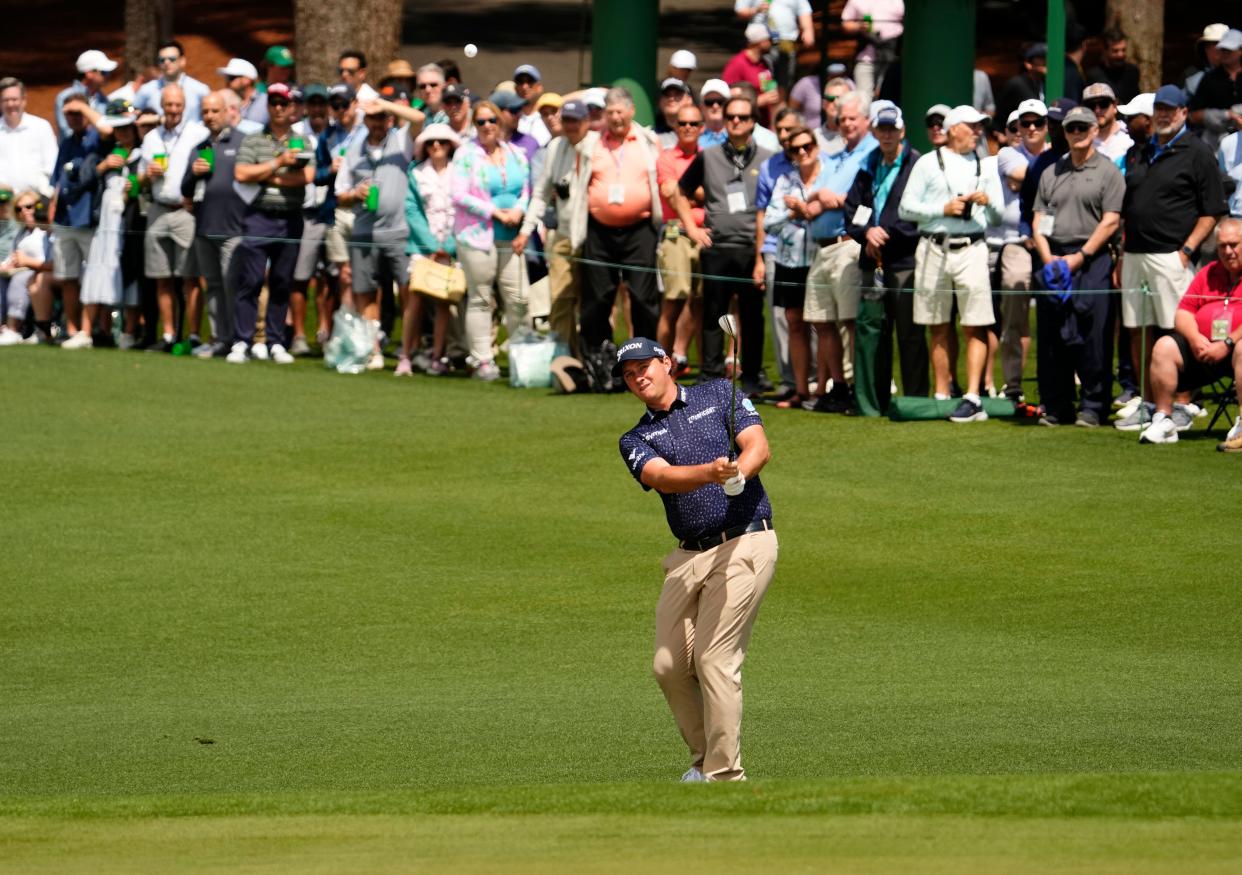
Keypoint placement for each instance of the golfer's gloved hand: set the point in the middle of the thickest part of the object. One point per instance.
(734, 485)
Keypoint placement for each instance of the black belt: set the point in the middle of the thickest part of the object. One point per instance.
(698, 545)
(829, 241)
(957, 241)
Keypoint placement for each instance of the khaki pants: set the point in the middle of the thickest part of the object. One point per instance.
(565, 284)
(1015, 276)
(1167, 279)
(703, 622)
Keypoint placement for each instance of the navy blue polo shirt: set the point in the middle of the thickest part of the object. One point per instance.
(694, 431)
(76, 178)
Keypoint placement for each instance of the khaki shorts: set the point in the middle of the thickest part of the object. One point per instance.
(1167, 280)
(336, 242)
(166, 246)
(940, 273)
(70, 249)
(678, 260)
(833, 284)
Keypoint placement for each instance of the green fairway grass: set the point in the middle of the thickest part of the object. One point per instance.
(281, 620)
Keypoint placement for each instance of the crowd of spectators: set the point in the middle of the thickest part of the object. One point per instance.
(796, 202)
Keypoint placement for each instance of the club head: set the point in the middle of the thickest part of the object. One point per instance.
(728, 324)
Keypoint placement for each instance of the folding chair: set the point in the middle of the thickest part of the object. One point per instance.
(1220, 394)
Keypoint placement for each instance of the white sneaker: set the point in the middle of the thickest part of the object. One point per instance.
(693, 776)
(1161, 431)
(81, 340)
(1126, 410)
(280, 355)
(258, 352)
(9, 337)
(375, 362)
(126, 341)
(1234, 430)
(237, 355)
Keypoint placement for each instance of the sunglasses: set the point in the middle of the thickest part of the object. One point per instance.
(444, 143)
(1077, 128)
(278, 103)
(524, 80)
(692, 124)
(802, 148)
(1013, 128)
(347, 70)
(453, 101)
(830, 98)
(713, 102)
(935, 122)
(737, 117)
(483, 122)
(168, 59)
(430, 84)
(24, 208)
(338, 105)
(1102, 103)
(1034, 124)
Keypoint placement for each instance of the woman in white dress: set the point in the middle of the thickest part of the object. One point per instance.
(24, 275)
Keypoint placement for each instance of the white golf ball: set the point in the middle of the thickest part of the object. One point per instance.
(471, 50)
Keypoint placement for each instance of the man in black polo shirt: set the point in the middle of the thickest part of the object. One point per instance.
(728, 174)
(715, 579)
(276, 177)
(218, 213)
(1173, 199)
(1077, 211)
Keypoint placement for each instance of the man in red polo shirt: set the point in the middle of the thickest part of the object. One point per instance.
(623, 220)
(750, 65)
(1204, 346)
(679, 255)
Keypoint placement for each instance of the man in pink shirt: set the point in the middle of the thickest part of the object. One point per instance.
(623, 209)
(751, 65)
(1204, 344)
(679, 255)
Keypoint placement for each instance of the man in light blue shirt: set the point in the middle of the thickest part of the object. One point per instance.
(1230, 156)
(93, 69)
(833, 285)
(170, 57)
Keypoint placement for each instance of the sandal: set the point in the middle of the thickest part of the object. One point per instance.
(793, 401)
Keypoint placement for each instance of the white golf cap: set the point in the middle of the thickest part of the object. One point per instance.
(95, 60)
(968, 115)
(940, 109)
(1213, 32)
(757, 33)
(1013, 117)
(595, 97)
(886, 113)
(1031, 105)
(239, 67)
(714, 86)
(684, 60)
(1231, 41)
(1142, 104)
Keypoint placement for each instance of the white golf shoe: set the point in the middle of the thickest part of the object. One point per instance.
(693, 776)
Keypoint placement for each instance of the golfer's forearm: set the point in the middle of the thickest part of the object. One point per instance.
(679, 478)
(754, 456)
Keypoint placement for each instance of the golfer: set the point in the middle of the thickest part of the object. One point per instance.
(726, 552)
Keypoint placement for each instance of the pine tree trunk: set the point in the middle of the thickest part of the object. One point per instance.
(147, 22)
(1142, 21)
(372, 26)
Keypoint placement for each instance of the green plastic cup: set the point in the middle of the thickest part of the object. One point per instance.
(372, 203)
(296, 144)
(209, 155)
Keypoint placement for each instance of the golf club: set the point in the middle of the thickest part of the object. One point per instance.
(728, 324)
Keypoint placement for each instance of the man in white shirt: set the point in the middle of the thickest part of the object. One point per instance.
(27, 143)
(528, 83)
(170, 227)
(1114, 140)
(170, 57)
(954, 197)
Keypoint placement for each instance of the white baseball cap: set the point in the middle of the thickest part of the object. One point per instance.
(1031, 105)
(595, 97)
(885, 112)
(939, 109)
(1231, 41)
(966, 114)
(95, 60)
(684, 60)
(1013, 117)
(1213, 32)
(714, 86)
(757, 33)
(239, 67)
(1142, 104)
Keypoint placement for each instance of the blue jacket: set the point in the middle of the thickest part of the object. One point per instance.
(76, 180)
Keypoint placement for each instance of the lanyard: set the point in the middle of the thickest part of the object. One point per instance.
(940, 161)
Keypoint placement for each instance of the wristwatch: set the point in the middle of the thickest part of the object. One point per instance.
(1229, 343)
(1188, 252)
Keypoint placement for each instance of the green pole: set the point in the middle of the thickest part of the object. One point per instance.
(1054, 82)
(624, 35)
(938, 60)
